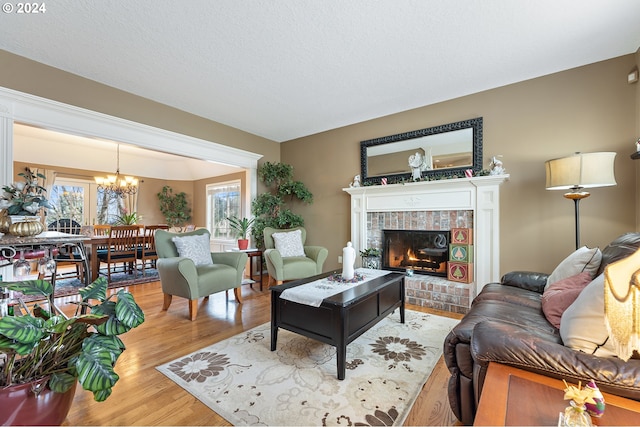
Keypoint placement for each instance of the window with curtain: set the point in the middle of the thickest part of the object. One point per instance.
(223, 201)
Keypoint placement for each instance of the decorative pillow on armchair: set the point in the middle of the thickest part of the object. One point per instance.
(195, 247)
(561, 294)
(289, 244)
(583, 259)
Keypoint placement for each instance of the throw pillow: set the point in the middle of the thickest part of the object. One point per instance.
(194, 247)
(561, 294)
(289, 244)
(583, 259)
(582, 324)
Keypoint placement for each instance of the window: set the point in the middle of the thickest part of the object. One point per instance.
(67, 199)
(81, 201)
(223, 201)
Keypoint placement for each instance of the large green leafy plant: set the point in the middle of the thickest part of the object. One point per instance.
(174, 207)
(272, 209)
(44, 344)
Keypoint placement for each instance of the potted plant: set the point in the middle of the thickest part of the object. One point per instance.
(174, 207)
(241, 226)
(371, 258)
(273, 207)
(128, 218)
(22, 201)
(42, 351)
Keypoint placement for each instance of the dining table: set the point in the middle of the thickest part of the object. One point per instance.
(92, 244)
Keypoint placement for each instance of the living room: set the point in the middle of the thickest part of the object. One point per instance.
(588, 107)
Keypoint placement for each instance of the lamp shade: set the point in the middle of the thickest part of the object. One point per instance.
(581, 170)
(622, 304)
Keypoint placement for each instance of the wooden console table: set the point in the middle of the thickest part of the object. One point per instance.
(512, 396)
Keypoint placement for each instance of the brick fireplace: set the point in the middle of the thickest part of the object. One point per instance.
(434, 205)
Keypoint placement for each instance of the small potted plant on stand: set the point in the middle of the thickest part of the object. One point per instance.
(241, 226)
(371, 258)
(44, 353)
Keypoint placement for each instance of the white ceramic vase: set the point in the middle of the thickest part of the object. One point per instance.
(348, 261)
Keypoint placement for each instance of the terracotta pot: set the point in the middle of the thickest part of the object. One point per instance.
(22, 407)
(243, 244)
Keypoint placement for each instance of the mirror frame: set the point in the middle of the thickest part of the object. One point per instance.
(445, 173)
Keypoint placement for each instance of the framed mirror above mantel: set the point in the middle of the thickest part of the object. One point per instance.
(446, 151)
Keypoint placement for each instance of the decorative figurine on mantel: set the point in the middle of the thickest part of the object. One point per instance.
(496, 166)
(356, 181)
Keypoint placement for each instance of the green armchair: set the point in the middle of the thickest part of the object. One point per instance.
(303, 261)
(186, 278)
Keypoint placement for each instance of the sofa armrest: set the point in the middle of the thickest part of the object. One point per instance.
(545, 354)
(528, 280)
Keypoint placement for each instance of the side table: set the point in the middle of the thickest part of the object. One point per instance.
(253, 253)
(513, 396)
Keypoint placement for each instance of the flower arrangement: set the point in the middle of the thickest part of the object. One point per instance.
(370, 252)
(576, 414)
(578, 395)
(24, 198)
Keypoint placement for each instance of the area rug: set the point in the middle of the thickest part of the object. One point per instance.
(247, 384)
(67, 287)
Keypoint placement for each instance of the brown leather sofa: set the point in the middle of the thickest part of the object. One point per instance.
(505, 324)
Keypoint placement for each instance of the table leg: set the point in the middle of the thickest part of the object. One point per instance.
(260, 267)
(341, 344)
(274, 322)
(402, 301)
(95, 262)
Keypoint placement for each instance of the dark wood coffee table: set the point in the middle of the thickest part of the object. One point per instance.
(341, 318)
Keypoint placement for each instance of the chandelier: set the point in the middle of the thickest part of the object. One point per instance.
(117, 185)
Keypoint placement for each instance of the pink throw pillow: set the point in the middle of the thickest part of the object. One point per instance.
(561, 294)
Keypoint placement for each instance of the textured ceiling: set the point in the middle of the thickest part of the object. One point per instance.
(290, 68)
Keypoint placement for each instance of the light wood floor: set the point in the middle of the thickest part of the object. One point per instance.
(144, 396)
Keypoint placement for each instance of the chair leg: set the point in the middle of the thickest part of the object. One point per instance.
(167, 302)
(238, 294)
(193, 309)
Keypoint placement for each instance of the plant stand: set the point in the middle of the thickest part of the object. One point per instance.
(374, 262)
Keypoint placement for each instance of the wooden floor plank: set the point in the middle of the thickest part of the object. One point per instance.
(144, 396)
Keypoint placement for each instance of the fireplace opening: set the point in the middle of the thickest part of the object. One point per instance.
(426, 252)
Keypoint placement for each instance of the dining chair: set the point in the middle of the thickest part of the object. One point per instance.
(68, 254)
(122, 247)
(147, 250)
(101, 230)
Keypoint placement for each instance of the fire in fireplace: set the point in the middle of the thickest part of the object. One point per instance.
(426, 252)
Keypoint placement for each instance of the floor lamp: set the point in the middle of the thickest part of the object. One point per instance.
(578, 172)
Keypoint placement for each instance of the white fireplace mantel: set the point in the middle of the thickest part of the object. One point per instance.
(480, 195)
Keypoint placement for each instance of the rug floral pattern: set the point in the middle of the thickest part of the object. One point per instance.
(247, 384)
